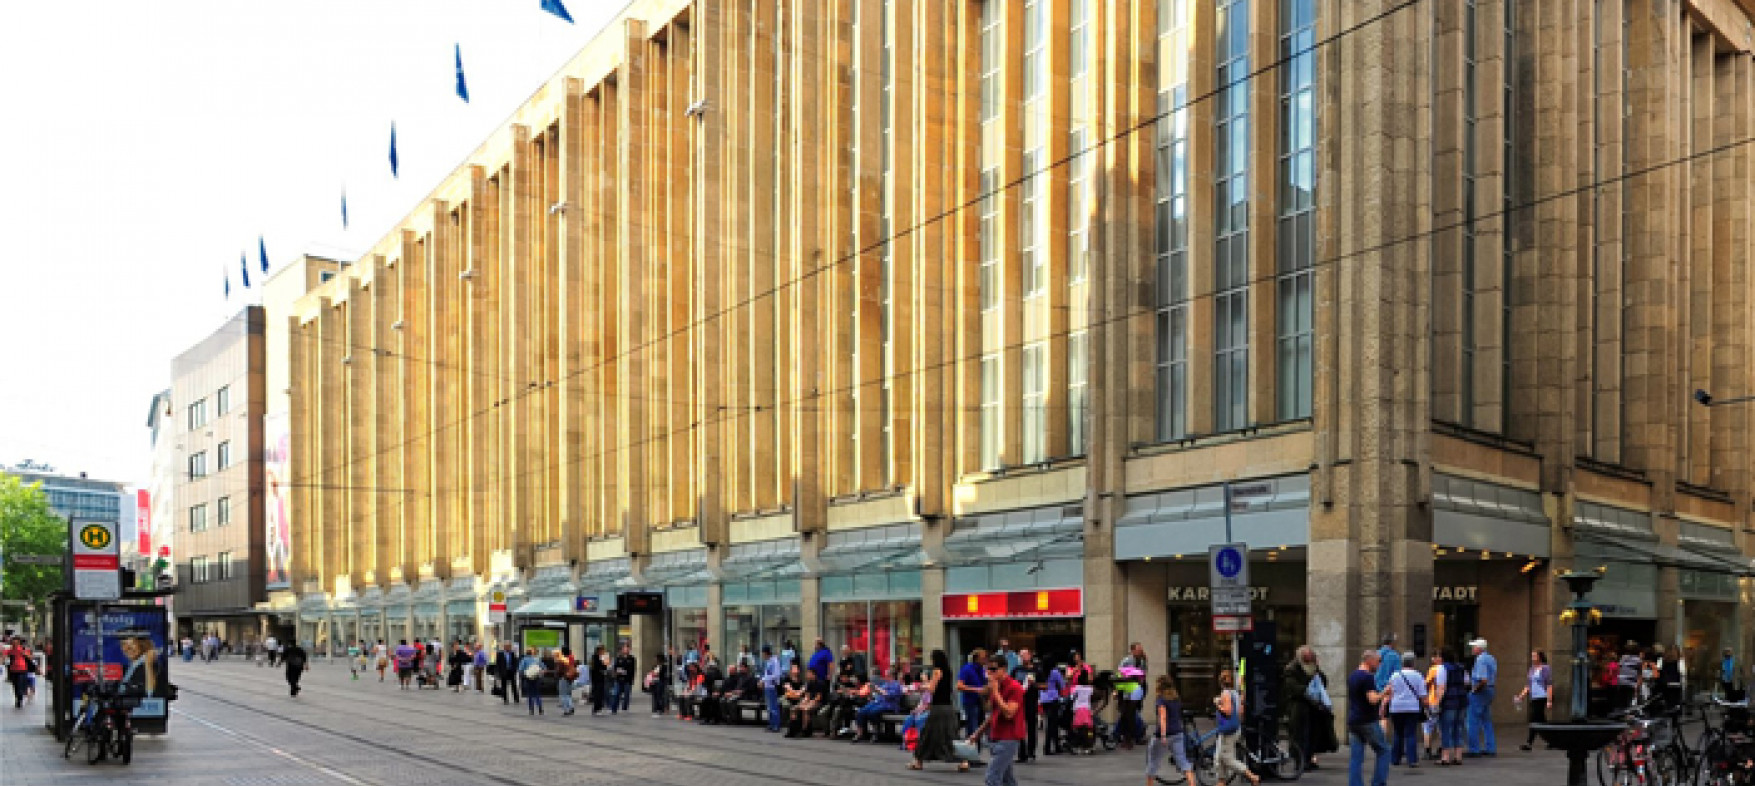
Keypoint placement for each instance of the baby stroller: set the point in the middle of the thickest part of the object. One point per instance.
(1088, 729)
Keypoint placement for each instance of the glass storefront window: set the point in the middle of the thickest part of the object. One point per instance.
(462, 628)
(688, 627)
(885, 632)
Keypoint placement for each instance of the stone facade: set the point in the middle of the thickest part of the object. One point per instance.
(728, 273)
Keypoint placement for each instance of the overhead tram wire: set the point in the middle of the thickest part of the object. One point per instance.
(1146, 124)
(1335, 260)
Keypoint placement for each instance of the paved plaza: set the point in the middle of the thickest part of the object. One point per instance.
(236, 726)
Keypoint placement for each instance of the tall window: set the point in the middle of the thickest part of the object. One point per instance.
(1297, 198)
(222, 510)
(198, 572)
(990, 434)
(1031, 253)
(197, 414)
(1172, 221)
(992, 44)
(886, 272)
(1032, 223)
(198, 465)
(222, 401)
(222, 457)
(198, 518)
(1035, 403)
(225, 565)
(989, 239)
(1470, 110)
(1077, 390)
(1508, 261)
(1231, 187)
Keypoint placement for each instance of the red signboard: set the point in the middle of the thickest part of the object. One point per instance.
(96, 562)
(143, 519)
(1024, 603)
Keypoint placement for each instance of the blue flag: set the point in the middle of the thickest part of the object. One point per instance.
(262, 248)
(244, 269)
(344, 208)
(393, 162)
(462, 86)
(555, 7)
(228, 283)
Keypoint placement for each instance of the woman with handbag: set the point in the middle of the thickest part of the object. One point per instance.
(1539, 692)
(1406, 706)
(1230, 727)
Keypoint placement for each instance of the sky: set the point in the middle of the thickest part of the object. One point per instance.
(149, 144)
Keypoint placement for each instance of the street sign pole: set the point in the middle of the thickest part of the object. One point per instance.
(1235, 645)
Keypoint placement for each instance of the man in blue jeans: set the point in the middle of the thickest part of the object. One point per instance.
(1482, 680)
(1363, 728)
(772, 674)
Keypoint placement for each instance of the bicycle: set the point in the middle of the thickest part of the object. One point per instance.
(1725, 753)
(104, 727)
(1628, 761)
(1259, 748)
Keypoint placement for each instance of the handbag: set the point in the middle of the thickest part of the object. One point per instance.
(1317, 693)
(965, 751)
(1229, 722)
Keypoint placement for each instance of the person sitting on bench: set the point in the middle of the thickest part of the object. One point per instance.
(816, 691)
(886, 699)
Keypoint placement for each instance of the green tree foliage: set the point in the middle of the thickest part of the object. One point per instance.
(28, 526)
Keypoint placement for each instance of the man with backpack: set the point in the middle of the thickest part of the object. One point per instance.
(295, 661)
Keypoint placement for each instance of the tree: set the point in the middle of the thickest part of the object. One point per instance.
(28, 526)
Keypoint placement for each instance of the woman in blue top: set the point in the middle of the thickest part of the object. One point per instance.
(1539, 691)
(1053, 703)
(1169, 737)
(971, 681)
(529, 677)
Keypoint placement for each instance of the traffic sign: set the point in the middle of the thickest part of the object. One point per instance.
(35, 559)
(97, 560)
(1229, 584)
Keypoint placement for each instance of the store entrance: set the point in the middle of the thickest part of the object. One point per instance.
(1051, 641)
(1197, 653)
(1454, 625)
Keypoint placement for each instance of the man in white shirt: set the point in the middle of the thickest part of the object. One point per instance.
(272, 647)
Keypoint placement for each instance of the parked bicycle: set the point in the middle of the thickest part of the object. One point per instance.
(1727, 753)
(1629, 760)
(1259, 747)
(104, 727)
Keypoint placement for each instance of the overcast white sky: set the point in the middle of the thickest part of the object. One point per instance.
(147, 144)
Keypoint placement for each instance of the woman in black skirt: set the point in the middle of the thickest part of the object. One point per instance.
(599, 673)
(943, 727)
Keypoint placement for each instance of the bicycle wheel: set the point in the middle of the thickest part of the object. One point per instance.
(1109, 739)
(1609, 765)
(98, 746)
(1667, 767)
(75, 740)
(1206, 764)
(1285, 760)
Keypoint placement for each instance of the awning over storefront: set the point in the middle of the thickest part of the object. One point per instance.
(552, 580)
(1474, 514)
(1011, 536)
(676, 567)
(607, 574)
(873, 548)
(545, 607)
(1265, 513)
(1601, 519)
(1716, 545)
(760, 559)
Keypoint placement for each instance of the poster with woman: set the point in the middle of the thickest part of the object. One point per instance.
(276, 469)
(126, 645)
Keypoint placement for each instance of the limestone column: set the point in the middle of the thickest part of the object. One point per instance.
(1370, 555)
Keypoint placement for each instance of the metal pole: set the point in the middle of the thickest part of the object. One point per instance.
(1235, 646)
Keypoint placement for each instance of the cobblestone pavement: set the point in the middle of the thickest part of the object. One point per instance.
(235, 725)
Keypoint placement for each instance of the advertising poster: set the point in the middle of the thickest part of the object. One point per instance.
(276, 461)
(124, 644)
(143, 520)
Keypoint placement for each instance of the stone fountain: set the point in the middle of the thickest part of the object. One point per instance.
(1582, 735)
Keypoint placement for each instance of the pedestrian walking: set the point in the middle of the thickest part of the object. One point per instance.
(1540, 693)
(1132, 692)
(658, 682)
(1025, 674)
(506, 674)
(1406, 704)
(19, 666)
(405, 657)
(296, 662)
(971, 686)
(1727, 673)
(1053, 706)
(354, 662)
(271, 648)
(937, 739)
(1229, 704)
(624, 668)
(459, 662)
(1004, 724)
(566, 671)
(1627, 674)
(1483, 679)
(530, 676)
(1389, 663)
(1450, 688)
(1168, 739)
(598, 673)
(381, 653)
(1363, 727)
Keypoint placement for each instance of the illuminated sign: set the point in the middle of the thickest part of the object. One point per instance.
(1003, 605)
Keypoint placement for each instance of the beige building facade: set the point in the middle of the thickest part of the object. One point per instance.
(915, 324)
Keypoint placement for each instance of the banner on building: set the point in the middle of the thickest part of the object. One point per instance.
(143, 520)
(276, 467)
